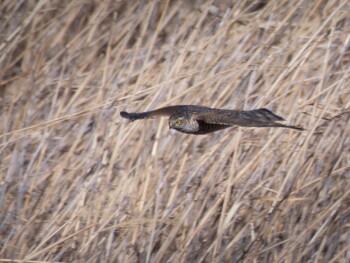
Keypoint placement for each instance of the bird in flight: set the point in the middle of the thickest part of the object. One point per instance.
(193, 119)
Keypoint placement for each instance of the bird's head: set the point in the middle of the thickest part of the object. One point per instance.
(177, 122)
(182, 124)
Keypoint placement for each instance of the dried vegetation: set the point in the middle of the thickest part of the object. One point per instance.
(81, 184)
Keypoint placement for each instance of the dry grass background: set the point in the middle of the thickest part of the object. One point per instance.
(81, 184)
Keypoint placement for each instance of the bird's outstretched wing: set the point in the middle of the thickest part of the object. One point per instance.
(162, 112)
(253, 118)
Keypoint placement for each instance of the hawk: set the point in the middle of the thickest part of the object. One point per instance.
(193, 119)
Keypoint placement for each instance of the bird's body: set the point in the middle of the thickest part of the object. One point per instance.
(193, 119)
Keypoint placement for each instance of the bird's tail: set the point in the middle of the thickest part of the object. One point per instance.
(268, 119)
(265, 115)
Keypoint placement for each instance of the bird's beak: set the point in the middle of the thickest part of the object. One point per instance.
(171, 124)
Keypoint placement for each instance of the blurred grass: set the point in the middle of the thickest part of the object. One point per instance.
(80, 184)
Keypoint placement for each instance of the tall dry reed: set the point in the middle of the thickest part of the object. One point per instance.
(81, 184)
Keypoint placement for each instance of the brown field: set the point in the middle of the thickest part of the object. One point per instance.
(78, 183)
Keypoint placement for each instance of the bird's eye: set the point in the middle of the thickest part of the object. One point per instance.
(178, 122)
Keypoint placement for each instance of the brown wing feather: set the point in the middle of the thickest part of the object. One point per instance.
(161, 112)
(253, 118)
